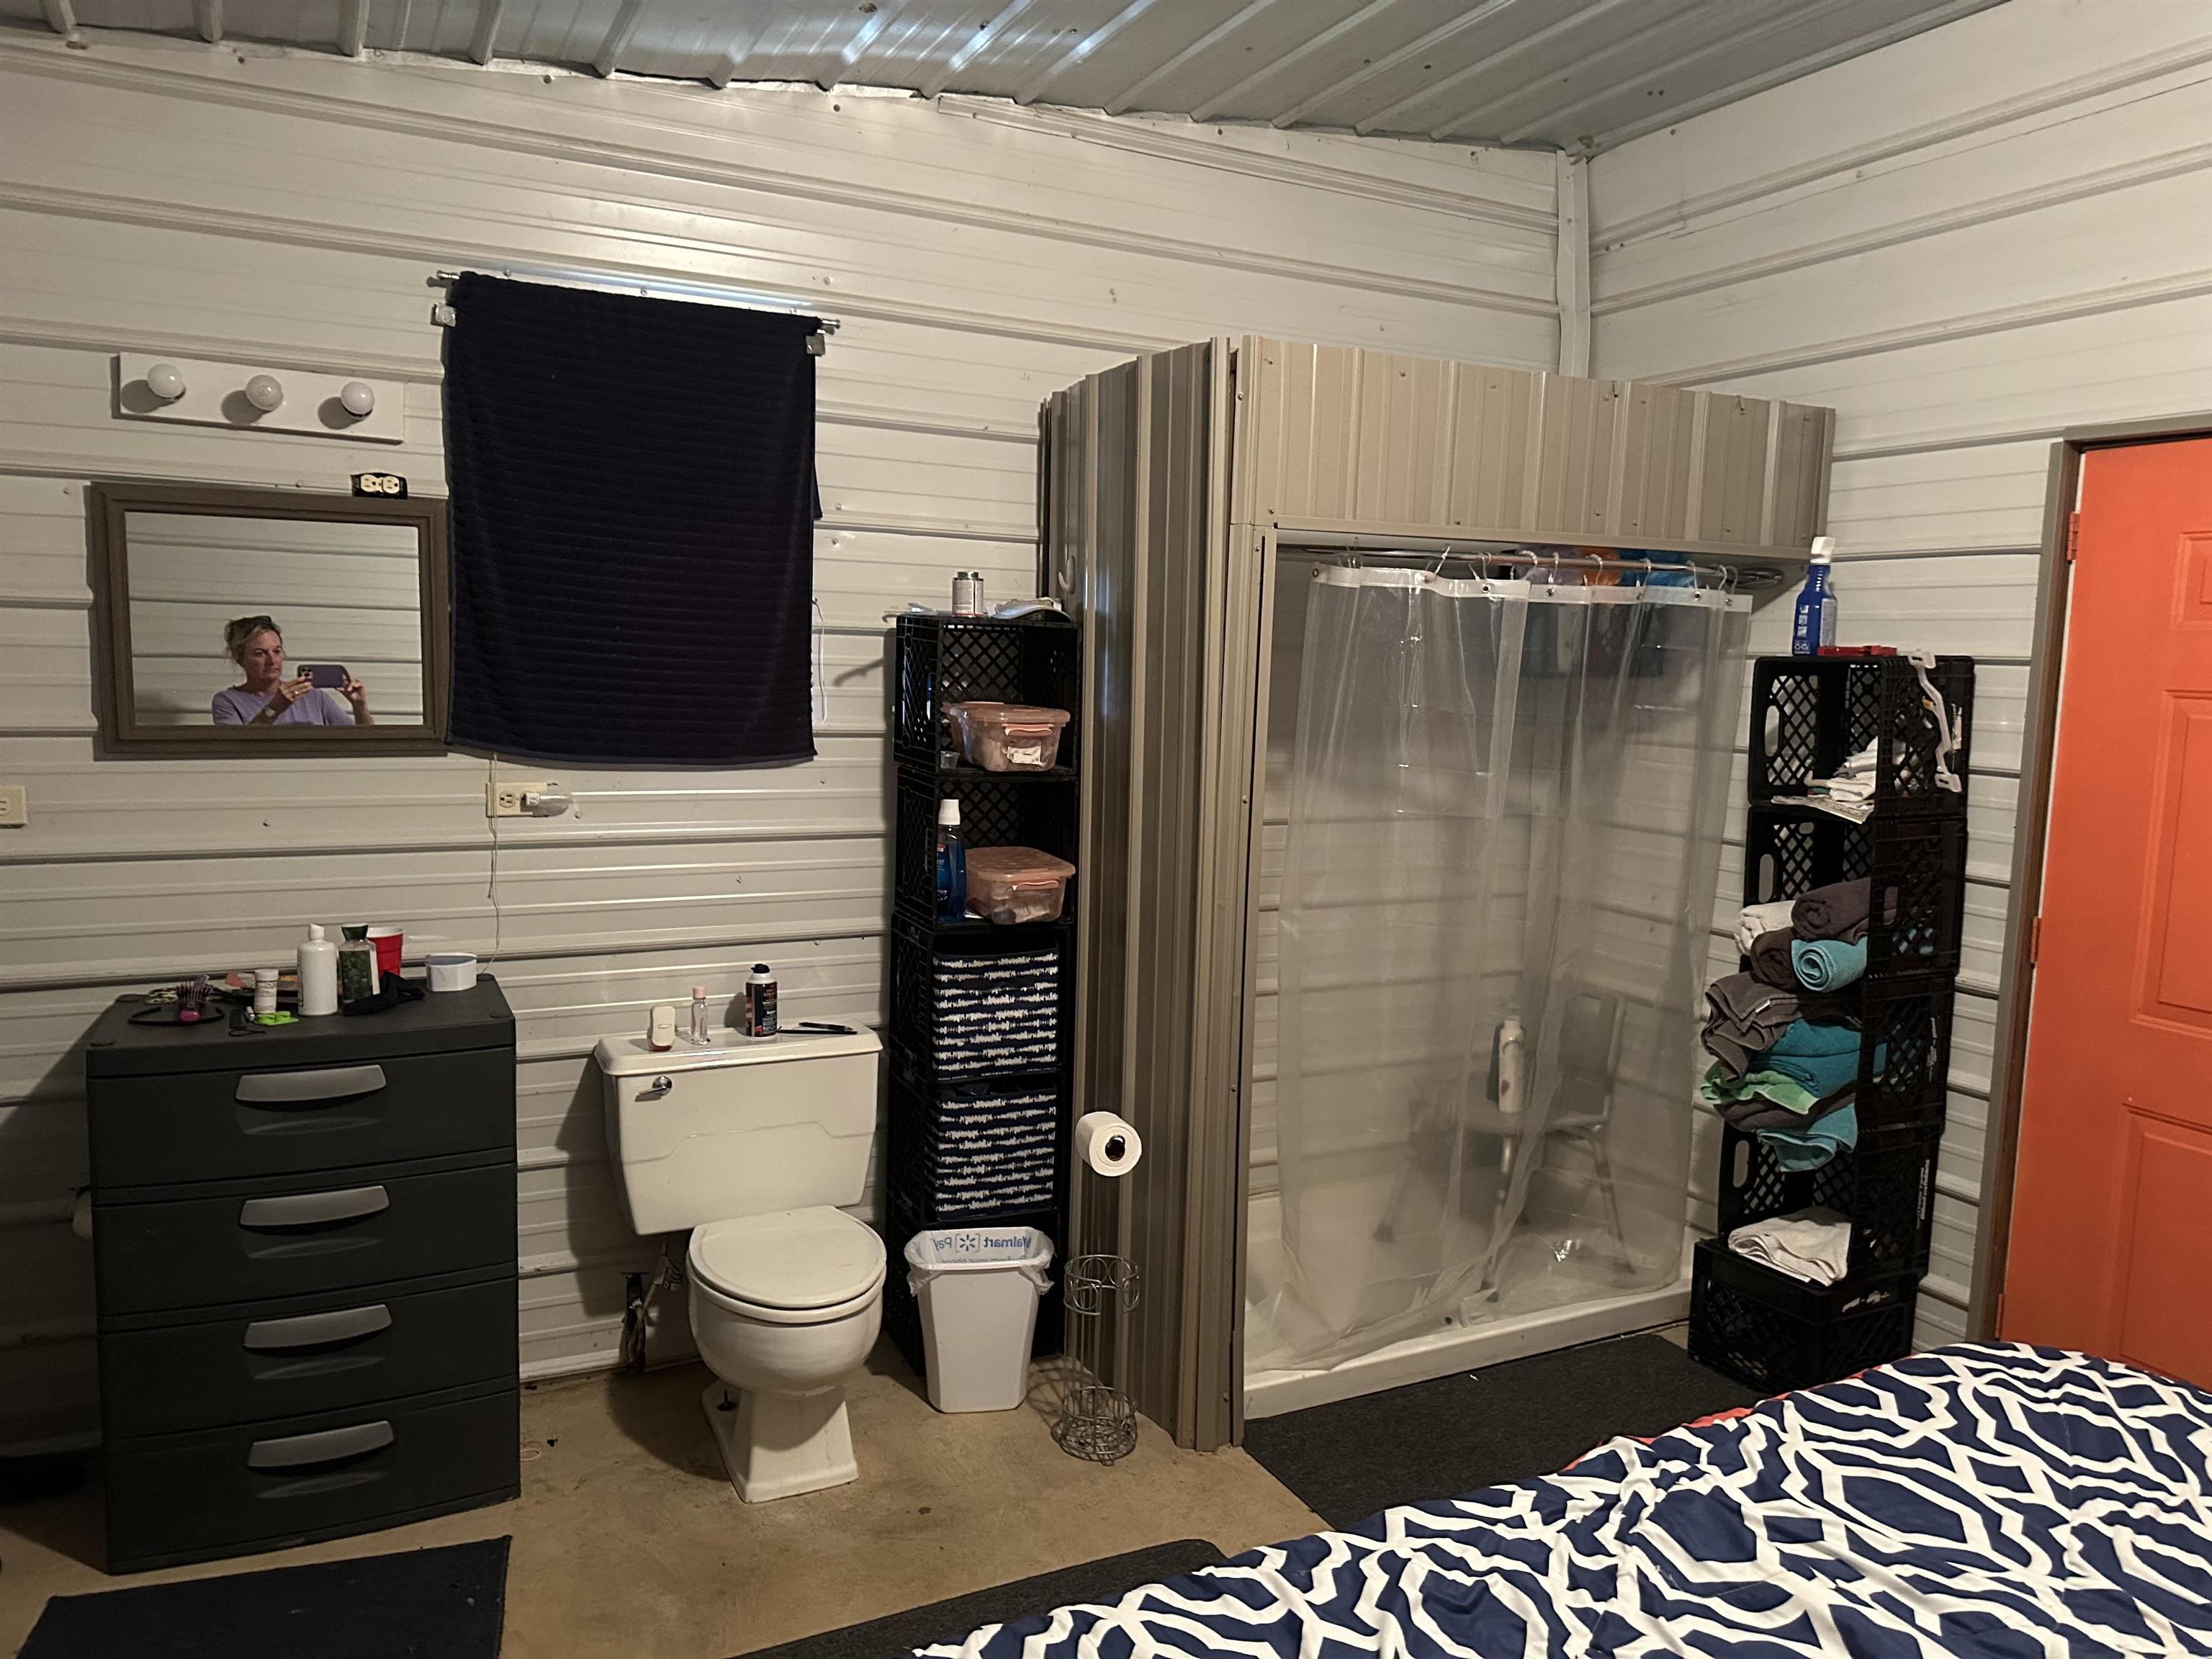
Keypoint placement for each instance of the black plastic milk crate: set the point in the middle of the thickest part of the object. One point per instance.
(1809, 713)
(1037, 660)
(981, 1002)
(996, 810)
(1775, 1333)
(903, 1312)
(1918, 866)
(979, 1149)
(1886, 1184)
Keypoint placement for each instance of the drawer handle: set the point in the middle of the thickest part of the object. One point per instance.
(311, 1330)
(299, 1451)
(309, 1088)
(308, 1209)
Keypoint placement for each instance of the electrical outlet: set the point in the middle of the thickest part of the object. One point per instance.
(14, 806)
(503, 799)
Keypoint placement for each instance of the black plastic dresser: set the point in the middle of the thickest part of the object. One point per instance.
(305, 1239)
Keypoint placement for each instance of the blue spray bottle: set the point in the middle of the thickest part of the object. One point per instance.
(1816, 604)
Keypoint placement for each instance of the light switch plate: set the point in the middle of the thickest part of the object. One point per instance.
(14, 806)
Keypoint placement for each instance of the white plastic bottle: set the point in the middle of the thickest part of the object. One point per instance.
(319, 973)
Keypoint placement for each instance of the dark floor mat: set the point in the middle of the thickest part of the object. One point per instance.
(1459, 1434)
(946, 1621)
(437, 1604)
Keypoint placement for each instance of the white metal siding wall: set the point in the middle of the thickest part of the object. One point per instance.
(288, 210)
(1963, 242)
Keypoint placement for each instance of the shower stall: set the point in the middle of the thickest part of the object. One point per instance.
(1413, 689)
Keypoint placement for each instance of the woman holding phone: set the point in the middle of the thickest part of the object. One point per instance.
(267, 698)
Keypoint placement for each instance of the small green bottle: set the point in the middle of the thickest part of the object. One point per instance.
(356, 965)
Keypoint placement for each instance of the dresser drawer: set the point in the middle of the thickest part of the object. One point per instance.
(297, 1236)
(280, 1120)
(313, 1354)
(264, 1485)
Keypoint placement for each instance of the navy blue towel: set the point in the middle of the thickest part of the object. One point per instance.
(632, 521)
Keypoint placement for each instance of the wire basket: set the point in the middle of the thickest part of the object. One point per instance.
(1094, 1283)
(1097, 1423)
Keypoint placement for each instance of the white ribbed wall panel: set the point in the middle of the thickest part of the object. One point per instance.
(288, 210)
(1963, 242)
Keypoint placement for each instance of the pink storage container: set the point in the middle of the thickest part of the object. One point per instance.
(1011, 884)
(1008, 737)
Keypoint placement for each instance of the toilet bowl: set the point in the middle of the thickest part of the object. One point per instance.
(784, 1308)
(754, 1148)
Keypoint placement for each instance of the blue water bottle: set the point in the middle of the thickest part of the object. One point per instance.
(1816, 602)
(951, 864)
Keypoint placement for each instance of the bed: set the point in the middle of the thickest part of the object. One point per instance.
(1986, 1499)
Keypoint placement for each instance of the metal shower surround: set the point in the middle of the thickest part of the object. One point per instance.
(1168, 486)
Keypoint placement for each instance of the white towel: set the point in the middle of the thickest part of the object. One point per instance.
(1813, 1245)
(1759, 919)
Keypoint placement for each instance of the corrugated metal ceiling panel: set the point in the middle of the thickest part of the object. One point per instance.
(1579, 75)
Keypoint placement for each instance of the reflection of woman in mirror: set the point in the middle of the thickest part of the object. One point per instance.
(267, 698)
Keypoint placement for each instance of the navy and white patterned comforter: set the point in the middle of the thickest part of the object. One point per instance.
(1985, 1500)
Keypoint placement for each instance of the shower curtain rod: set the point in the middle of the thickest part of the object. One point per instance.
(1734, 576)
(705, 293)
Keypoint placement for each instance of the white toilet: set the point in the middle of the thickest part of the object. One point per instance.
(752, 1145)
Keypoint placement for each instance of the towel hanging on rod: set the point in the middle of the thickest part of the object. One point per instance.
(697, 293)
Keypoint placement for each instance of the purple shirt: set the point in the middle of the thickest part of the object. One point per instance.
(235, 706)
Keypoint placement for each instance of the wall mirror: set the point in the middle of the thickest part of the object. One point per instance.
(233, 622)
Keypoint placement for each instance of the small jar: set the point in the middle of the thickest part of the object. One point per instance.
(356, 966)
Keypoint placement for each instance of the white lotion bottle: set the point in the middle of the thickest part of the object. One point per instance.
(319, 973)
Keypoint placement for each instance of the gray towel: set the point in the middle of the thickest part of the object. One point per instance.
(1743, 1017)
(1769, 960)
(1836, 911)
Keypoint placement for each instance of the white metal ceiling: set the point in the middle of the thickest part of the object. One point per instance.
(1580, 75)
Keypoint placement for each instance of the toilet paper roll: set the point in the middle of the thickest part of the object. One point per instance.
(1107, 1143)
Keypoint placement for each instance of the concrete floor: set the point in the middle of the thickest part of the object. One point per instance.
(629, 1539)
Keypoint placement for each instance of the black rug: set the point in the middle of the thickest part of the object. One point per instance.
(942, 1621)
(1459, 1434)
(437, 1604)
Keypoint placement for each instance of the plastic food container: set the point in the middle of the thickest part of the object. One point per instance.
(1008, 737)
(1009, 884)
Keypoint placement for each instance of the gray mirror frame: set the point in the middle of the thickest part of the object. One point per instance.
(115, 701)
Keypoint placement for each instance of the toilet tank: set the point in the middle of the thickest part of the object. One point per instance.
(760, 1125)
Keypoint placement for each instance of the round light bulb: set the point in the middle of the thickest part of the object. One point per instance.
(357, 396)
(265, 392)
(166, 381)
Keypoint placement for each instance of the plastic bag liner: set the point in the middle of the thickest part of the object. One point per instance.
(940, 1251)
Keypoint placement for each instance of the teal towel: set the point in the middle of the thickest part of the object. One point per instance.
(1818, 1074)
(1808, 1146)
(1826, 964)
(1803, 1038)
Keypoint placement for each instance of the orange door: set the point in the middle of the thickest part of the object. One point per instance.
(2112, 1222)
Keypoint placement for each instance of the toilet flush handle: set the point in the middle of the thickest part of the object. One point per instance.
(661, 1084)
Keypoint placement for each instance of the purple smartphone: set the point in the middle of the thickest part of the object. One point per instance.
(326, 675)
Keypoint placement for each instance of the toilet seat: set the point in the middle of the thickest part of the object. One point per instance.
(790, 1267)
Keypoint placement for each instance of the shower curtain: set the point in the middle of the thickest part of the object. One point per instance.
(1506, 807)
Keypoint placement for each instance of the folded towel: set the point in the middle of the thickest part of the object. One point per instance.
(1836, 911)
(1817, 1141)
(1769, 959)
(1744, 1017)
(1762, 1085)
(1805, 1039)
(1783, 1105)
(1819, 1074)
(1827, 964)
(1759, 919)
(1813, 1245)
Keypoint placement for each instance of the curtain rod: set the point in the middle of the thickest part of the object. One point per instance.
(1736, 576)
(705, 294)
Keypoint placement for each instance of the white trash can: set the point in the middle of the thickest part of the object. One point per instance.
(978, 1288)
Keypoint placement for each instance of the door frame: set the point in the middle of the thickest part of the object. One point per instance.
(2038, 749)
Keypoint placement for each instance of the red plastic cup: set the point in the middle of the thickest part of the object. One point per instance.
(389, 942)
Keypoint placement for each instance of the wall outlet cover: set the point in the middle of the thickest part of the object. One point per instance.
(503, 796)
(14, 806)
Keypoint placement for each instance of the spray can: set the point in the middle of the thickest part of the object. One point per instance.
(760, 1002)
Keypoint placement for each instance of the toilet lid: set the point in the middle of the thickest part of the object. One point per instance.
(794, 1259)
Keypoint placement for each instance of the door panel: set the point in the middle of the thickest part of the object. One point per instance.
(2109, 1249)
